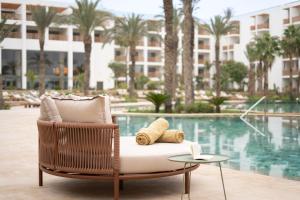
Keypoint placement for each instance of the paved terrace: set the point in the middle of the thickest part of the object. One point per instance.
(19, 174)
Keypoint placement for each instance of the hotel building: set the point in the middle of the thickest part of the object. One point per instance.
(64, 48)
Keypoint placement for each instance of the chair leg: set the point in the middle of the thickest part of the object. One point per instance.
(121, 185)
(40, 177)
(187, 182)
(116, 188)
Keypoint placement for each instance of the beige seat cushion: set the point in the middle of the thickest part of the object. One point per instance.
(48, 110)
(89, 110)
(136, 158)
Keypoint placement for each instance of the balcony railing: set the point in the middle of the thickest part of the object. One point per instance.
(32, 36)
(252, 27)
(286, 21)
(28, 16)
(154, 44)
(139, 58)
(296, 19)
(263, 26)
(202, 61)
(58, 37)
(286, 71)
(202, 31)
(13, 16)
(204, 46)
(99, 39)
(154, 74)
(225, 48)
(14, 35)
(77, 38)
(234, 32)
(154, 59)
(120, 58)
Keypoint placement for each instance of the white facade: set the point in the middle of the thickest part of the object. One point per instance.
(149, 62)
(272, 20)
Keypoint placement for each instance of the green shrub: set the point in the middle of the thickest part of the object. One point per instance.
(153, 85)
(130, 98)
(141, 81)
(198, 107)
(217, 102)
(5, 107)
(157, 99)
(122, 85)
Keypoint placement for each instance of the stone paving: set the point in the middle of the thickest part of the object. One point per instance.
(19, 175)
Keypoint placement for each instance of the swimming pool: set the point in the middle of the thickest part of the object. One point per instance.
(277, 153)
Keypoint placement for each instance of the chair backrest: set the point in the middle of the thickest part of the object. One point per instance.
(88, 148)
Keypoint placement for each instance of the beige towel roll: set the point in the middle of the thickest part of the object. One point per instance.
(149, 135)
(172, 136)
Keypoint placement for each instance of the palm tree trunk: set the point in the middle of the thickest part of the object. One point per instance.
(174, 73)
(291, 78)
(187, 52)
(251, 81)
(259, 77)
(132, 52)
(42, 74)
(87, 62)
(1, 93)
(169, 52)
(218, 69)
(266, 78)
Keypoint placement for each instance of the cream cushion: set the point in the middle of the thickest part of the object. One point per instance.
(89, 110)
(136, 158)
(48, 110)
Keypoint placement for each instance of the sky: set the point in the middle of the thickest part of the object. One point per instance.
(207, 8)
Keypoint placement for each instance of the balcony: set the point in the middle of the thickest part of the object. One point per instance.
(286, 71)
(154, 74)
(59, 37)
(154, 59)
(10, 15)
(202, 31)
(28, 16)
(77, 38)
(204, 46)
(154, 26)
(263, 26)
(296, 19)
(234, 32)
(154, 43)
(286, 21)
(202, 61)
(120, 58)
(225, 48)
(139, 58)
(14, 34)
(252, 27)
(32, 35)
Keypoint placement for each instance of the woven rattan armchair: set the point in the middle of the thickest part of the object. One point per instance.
(87, 151)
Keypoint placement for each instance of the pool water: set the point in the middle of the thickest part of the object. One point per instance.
(275, 153)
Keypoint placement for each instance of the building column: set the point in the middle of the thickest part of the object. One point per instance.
(24, 49)
(70, 58)
(93, 83)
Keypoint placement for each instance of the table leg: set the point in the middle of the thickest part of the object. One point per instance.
(222, 180)
(186, 182)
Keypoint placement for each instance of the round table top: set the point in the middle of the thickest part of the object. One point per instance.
(187, 158)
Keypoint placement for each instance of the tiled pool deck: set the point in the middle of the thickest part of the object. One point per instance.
(19, 180)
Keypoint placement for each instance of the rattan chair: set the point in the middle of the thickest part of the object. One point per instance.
(87, 151)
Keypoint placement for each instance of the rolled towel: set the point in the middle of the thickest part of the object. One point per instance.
(172, 136)
(149, 135)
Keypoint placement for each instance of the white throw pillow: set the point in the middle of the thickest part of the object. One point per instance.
(48, 110)
(89, 110)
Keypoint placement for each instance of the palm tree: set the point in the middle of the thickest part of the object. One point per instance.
(289, 46)
(269, 48)
(171, 43)
(4, 31)
(43, 18)
(86, 18)
(188, 50)
(127, 32)
(251, 54)
(219, 26)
